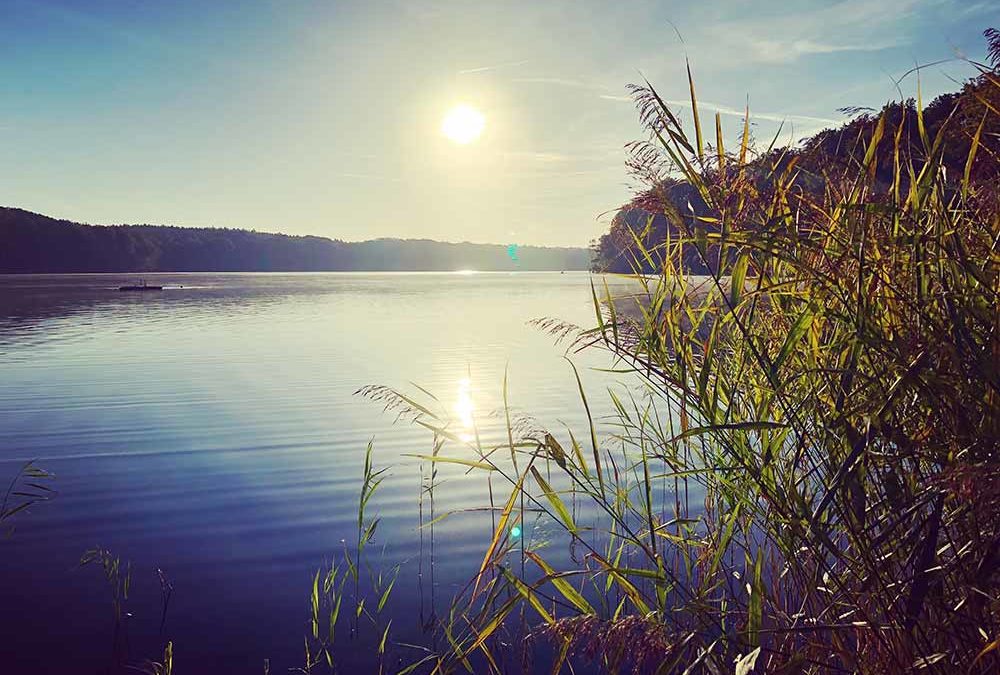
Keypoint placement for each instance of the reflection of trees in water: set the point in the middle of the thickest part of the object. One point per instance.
(33, 310)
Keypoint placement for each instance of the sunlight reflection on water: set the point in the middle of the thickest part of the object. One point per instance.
(464, 408)
(213, 431)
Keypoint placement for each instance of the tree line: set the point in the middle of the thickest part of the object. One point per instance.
(33, 243)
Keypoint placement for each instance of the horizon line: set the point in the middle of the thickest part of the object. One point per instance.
(286, 234)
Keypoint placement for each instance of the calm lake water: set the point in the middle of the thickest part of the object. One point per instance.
(213, 431)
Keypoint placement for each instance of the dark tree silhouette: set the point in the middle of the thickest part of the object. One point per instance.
(664, 206)
(37, 243)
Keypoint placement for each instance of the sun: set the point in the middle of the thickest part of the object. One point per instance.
(463, 124)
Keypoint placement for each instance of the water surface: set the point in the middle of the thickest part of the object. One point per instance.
(212, 430)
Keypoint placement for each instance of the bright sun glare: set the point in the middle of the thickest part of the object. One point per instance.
(463, 124)
(465, 407)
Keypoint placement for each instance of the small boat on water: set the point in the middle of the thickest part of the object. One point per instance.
(141, 286)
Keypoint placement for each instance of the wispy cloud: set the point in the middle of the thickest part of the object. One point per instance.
(369, 176)
(774, 51)
(498, 66)
(977, 8)
(551, 163)
(768, 116)
(559, 81)
(543, 157)
(736, 112)
(846, 26)
(599, 156)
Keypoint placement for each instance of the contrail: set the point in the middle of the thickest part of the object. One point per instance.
(469, 71)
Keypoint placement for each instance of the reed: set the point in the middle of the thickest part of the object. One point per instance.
(26, 489)
(372, 584)
(804, 478)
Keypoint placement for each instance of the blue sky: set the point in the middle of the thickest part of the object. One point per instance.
(323, 118)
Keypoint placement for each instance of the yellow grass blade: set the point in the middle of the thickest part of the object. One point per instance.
(555, 500)
(528, 594)
(719, 149)
(973, 148)
(501, 529)
(745, 142)
(694, 111)
(564, 587)
(453, 460)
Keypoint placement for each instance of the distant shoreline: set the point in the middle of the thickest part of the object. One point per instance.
(302, 272)
(38, 244)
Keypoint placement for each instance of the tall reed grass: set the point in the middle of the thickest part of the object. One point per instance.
(805, 478)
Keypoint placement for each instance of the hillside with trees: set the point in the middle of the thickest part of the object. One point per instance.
(956, 122)
(34, 243)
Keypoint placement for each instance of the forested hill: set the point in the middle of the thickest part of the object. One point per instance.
(37, 243)
(961, 127)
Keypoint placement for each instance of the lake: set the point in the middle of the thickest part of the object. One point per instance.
(213, 432)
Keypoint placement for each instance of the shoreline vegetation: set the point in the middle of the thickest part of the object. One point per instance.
(804, 475)
(37, 244)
